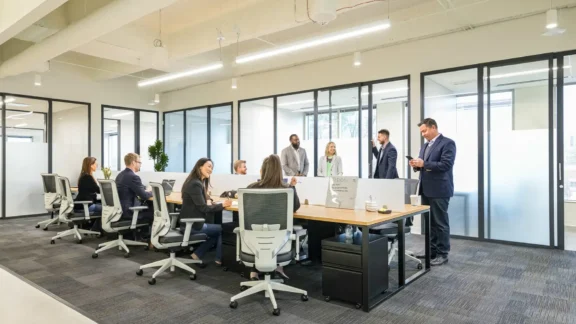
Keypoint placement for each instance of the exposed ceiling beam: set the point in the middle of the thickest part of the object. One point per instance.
(16, 16)
(95, 25)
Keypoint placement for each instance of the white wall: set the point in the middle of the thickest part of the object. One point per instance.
(531, 108)
(70, 142)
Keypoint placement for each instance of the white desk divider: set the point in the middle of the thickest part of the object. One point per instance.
(389, 192)
(313, 189)
(227, 182)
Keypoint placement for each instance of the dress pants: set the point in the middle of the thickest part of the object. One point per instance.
(439, 225)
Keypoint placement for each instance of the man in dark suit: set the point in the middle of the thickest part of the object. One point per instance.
(386, 157)
(435, 163)
(131, 189)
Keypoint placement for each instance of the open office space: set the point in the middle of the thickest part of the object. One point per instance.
(235, 80)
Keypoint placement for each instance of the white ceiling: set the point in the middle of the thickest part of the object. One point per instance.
(189, 31)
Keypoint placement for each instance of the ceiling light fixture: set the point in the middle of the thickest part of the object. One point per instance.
(528, 72)
(123, 114)
(19, 115)
(552, 19)
(295, 103)
(179, 75)
(357, 59)
(234, 83)
(314, 42)
(157, 98)
(38, 80)
(385, 91)
(9, 100)
(21, 125)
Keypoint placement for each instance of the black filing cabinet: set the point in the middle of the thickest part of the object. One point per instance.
(342, 271)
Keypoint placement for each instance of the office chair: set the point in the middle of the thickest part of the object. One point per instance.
(165, 236)
(390, 230)
(51, 200)
(69, 215)
(111, 222)
(265, 237)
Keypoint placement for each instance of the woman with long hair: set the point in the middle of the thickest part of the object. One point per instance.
(271, 178)
(196, 203)
(88, 188)
(330, 164)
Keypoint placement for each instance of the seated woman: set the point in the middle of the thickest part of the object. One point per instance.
(88, 188)
(197, 204)
(271, 178)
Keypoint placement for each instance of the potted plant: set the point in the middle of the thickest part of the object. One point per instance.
(156, 153)
(107, 173)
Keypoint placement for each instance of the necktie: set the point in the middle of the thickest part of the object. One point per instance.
(380, 154)
(427, 151)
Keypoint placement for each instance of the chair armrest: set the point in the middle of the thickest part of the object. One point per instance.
(188, 230)
(193, 220)
(139, 208)
(237, 231)
(83, 202)
(173, 220)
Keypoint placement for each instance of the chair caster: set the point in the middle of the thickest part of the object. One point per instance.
(242, 274)
(79, 242)
(304, 297)
(37, 226)
(139, 272)
(327, 298)
(152, 281)
(126, 255)
(52, 242)
(358, 306)
(419, 266)
(225, 269)
(242, 288)
(193, 276)
(45, 228)
(276, 312)
(94, 255)
(234, 304)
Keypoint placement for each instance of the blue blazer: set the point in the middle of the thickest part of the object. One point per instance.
(436, 179)
(129, 187)
(386, 166)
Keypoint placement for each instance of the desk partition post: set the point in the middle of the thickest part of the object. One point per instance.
(426, 218)
(401, 251)
(365, 268)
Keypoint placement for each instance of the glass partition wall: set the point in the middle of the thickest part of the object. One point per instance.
(345, 115)
(194, 133)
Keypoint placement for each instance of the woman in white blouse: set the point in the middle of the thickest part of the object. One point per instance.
(330, 164)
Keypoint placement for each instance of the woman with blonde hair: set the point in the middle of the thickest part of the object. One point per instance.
(330, 164)
(271, 178)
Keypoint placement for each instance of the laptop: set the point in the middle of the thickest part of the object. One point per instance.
(168, 186)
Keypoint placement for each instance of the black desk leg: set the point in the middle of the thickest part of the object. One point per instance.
(427, 239)
(401, 253)
(365, 268)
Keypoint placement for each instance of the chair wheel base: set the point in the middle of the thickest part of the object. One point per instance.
(94, 255)
(37, 226)
(234, 304)
(126, 255)
(358, 306)
(79, 242)
(52, 242)
(139, 272)
(242, 288)
(45, 228)
(327, 298)
(276, 312)
(419, 266)
(193, 276)
(152, 281)
(304, 297)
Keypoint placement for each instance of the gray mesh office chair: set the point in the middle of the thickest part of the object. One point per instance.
(111, 222)
(265, 236)
(390, 230)
(51, 200)
(165, 236)
(69, 215)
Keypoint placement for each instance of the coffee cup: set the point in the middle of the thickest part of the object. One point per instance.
(415, 200)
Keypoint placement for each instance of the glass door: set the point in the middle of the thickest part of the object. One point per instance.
(519, 168)
(567, 149)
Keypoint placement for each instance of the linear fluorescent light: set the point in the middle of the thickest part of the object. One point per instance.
(19, 115)
(317, 41)
(386, 91)
(122, 114)
(14, 104)
(528, 72)
(295, 103)
(21, 125)
(326, 108)
(178, 75)
(9, 100)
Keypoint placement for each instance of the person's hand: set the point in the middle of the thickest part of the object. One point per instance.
(293, 182)
(417, 163)
(227, 203)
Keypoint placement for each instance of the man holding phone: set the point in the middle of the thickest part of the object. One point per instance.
(435, 163)
(386, 157)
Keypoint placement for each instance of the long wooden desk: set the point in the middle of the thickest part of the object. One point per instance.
(365, 220)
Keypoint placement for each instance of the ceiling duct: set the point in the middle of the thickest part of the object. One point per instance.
(322, 11)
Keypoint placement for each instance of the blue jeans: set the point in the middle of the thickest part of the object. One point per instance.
(214, 233)
(95, 209)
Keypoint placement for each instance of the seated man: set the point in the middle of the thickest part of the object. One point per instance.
(131, 190)
(240, 167)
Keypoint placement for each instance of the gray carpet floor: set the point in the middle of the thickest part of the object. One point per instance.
(482, 283)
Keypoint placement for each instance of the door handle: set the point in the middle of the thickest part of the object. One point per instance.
(560, 171)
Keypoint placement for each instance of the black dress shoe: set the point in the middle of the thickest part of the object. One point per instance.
(438, 261)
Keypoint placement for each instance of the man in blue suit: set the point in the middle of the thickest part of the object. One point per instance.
(435, 163)
(131, 189)
(386, 157)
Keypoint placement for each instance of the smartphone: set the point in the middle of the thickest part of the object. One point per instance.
(409, 157)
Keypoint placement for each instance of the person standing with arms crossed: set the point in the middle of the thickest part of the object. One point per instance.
(386, 157)
(435, 163)
(294, 158)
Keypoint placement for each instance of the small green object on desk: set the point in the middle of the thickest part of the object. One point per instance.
(384, 210)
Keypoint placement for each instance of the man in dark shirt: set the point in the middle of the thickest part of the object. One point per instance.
(131, 191)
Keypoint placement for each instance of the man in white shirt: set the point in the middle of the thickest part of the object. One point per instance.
(294, 158)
